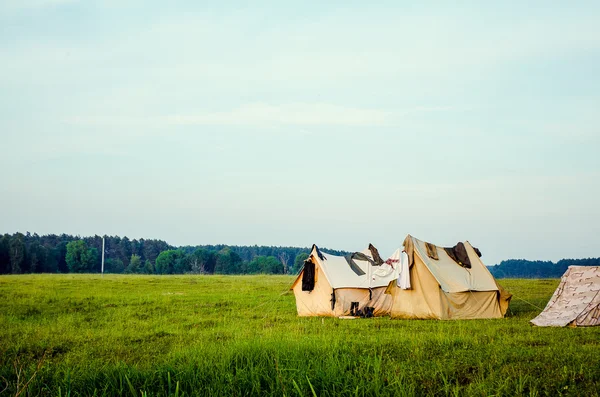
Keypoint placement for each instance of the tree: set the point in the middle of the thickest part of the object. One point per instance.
(135, 264)
(5, 254)
(136, 247)
(265, 265)
(171, 262)
(299, 262)
(17, 253)
(125, 250)
(228, 262)
(284, 258)
(52, 260)
(79, 258)
(38, 257)
(148, 267)
(202, 261)
(60, 252)
(152, 248)
(114, 265)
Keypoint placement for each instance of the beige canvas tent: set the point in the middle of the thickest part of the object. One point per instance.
(576, 301)
(331, 285)
(446, 283)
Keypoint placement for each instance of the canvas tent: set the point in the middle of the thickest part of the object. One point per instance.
(576, 301)
(446, 283)
(331, 285)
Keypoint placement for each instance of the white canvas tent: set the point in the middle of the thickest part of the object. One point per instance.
(328, 285)
(576, 301)
(442, 286)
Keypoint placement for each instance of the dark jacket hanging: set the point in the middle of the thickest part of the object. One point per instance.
(376, 257)
(308, 276)
(458, 253)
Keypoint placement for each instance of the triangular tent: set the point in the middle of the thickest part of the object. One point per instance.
(576, 301)
(331, 285)
(446, 283)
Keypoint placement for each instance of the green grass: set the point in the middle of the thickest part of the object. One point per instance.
(239, 335)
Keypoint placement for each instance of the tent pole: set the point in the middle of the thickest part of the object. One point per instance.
(369, 266)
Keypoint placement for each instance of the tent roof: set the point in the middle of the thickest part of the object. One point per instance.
(451, 276)
(340, 275)
(576, 300)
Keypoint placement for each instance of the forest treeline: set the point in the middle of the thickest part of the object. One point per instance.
(31, 253)
(522, 268)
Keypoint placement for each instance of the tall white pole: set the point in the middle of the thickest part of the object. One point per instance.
(103, 255)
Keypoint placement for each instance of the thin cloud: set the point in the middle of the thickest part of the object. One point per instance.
(294, 114)
(264, 114)
(33, 4)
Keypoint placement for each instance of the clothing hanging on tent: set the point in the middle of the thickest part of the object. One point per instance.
(375, 255)
(431, 251)
(404, 277)
(458, 253)
(308, 276)
(358, 256)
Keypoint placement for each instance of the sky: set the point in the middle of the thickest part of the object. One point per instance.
(293, 123)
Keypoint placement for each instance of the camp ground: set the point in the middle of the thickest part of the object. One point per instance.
(422, 281)
(576, 301)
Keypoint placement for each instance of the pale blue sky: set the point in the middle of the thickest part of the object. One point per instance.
(278, 124)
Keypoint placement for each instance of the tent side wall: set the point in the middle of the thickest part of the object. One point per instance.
(423, 300)
(471, 305)
(344, 297)
(316, 302)
(590, 317)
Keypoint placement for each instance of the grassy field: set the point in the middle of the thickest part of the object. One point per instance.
(74, 335)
